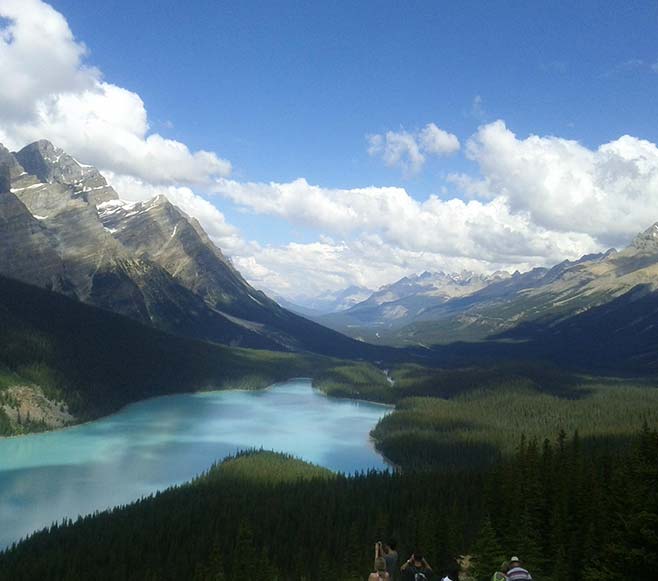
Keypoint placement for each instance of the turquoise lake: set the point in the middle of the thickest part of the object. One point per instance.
(153, 444)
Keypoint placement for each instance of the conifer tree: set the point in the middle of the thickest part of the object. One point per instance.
(487, 552)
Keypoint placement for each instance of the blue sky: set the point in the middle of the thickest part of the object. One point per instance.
(290, 89)
(287, 90)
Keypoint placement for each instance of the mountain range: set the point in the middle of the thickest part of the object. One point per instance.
(64, 228)
(432, 309)
(400, 303)
(326, 302)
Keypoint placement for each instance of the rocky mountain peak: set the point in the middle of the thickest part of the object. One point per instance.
(52, 165)
(647, 241)
(41, 159)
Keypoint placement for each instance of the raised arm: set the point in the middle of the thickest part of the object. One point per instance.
(408, 562)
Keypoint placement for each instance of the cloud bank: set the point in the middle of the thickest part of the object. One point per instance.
(536, 201)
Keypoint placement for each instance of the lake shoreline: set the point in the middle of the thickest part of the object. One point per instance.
(160, 442)
(200, 391)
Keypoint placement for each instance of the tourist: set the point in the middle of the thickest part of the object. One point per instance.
(380, 573)
(391, 558)
(451, 571)
(416, 568)
(516, 572)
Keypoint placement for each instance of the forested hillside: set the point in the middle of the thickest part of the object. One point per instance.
(96, 361)
(572, 515)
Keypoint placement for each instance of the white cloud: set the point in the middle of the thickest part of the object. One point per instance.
(410, 150)
(366, 261)
(446, 231)
(38, 57)
(608, 193)
(436, 141)
(50, 93)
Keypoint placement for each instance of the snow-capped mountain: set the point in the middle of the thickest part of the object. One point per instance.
(429, 309)
(440, 286)
(400, 302)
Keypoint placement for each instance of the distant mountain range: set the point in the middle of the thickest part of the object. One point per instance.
(327, 302)
(401, 302)
(432, 309)
(62, 227)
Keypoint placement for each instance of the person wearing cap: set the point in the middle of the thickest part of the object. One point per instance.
(516, 572)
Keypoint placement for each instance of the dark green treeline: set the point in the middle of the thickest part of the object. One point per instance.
(572, 512)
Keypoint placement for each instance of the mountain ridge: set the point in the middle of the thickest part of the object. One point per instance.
(147, 260)
(557, 293)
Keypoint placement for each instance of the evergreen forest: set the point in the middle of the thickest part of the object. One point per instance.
(573, 513)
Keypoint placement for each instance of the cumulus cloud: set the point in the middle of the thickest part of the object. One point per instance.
(435, 141)
(486, 233)
(608, 193)
(409, 151)
(35, 30)
(49, 92)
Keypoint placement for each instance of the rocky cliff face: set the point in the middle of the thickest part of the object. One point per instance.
(158, 229)
(27, 248)
(61, 194)
(51, 165)
(161, 232)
